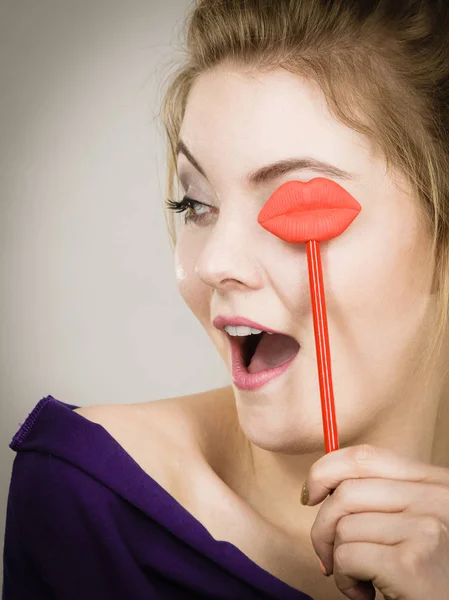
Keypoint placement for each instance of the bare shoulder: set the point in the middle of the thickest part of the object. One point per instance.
(181, 419)
(168, 435)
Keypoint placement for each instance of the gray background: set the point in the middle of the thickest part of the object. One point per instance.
(89, 307)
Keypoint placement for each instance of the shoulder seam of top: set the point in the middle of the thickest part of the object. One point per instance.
(26, 427)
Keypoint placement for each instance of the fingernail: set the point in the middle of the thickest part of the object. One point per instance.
(322, 567)
(304, 494)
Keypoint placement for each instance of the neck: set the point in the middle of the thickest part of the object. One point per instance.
(271, 482)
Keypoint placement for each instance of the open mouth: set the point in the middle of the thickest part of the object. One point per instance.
(249, 345)
(262, 351)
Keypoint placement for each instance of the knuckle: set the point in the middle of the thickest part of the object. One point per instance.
(432, 535)
(410, 560)
(415, 557)
(313, 473)
(341, 558)
(314, 533)
(342, 530)
(431, 527)
(364, 453)
(345, 490)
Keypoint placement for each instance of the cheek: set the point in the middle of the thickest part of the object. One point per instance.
(194, 293)
(380, 294)
(180, 272)
(184, 264)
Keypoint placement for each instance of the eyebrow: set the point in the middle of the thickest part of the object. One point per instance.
(275, 170)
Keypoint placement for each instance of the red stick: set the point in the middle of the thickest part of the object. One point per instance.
(322, 346)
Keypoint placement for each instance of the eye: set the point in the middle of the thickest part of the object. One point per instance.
(185, 204)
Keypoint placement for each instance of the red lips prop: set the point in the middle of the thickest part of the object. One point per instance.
(309, 213)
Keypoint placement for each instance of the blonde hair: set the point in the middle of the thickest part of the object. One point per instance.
(382, 65)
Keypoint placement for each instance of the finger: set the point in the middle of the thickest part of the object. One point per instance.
(357, 568)
(377, 528)
(365, 461)
(414, 569)
(356, 590)
(391, 529)
(354, 496)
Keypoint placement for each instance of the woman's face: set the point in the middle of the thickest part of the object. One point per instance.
(377, 274)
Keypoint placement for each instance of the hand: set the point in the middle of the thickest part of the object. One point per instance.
(386, 526)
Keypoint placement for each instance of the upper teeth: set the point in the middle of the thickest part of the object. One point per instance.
(242, 330)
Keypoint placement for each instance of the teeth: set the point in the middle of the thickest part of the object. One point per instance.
(240, 330)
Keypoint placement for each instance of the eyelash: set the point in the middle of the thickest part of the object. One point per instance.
(183, 205)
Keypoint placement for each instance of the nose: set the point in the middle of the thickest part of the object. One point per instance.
(230, 259)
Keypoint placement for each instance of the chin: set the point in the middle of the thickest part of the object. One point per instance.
(295, 427)
(276, 431)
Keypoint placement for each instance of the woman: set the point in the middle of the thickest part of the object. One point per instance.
(203, 496)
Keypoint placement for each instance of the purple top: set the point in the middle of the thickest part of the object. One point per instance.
(85, 521)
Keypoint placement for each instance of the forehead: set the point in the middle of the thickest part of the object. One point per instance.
(242, 120)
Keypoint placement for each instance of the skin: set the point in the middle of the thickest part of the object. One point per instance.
(380, 302)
